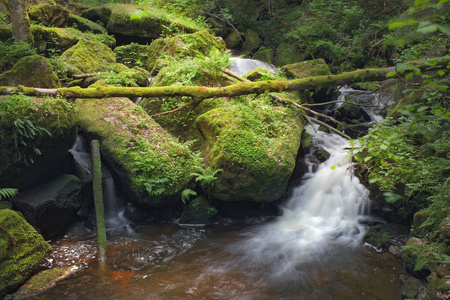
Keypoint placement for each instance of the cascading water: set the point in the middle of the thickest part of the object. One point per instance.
(114, 204)
(322, 213)
(242, 66)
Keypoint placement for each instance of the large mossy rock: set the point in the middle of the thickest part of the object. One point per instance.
(288, 53)
(52, 206)
(38, 152)
(152, 166)
(307, 68)
(144, 23)
(255, 145)
(33, 71)
(52, 15)
(90, 56)
(186, 45)
(21, 250)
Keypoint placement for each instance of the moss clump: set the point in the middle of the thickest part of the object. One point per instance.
(35, 71)
(252, 41)
(186, 45)
(132, 54)
(148, 22)
(90, 56)
(21, 251)
(49, 15)
(307, 68)
(264, 54)
(56, 116)
(61, 39)
(198, 211)
(42, 281)
(153, 166)
(288, 53)
(255, 145)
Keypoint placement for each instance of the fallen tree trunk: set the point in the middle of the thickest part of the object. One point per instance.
(201, 92)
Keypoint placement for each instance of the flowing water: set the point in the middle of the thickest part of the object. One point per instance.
(242, 66)
(312, 251)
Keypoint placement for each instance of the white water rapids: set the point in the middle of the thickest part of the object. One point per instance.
(324, 212)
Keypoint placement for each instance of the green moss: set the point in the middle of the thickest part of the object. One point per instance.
(264, 54)
(198, 211)
(56, 115)
(186, 45)
(255, 145)
(59, 40)
(90, 56)
(142, 21)
(21, 250)
(132, 54)
(307, 68)
(35, 71)
(154, 167)
(252, 41)
(288, 53)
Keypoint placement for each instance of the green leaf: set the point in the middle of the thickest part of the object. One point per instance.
(444, 29)
(428, 29)
(391, 74)
(358, 158)
(367, 158)
(402, 67)
(383, 147)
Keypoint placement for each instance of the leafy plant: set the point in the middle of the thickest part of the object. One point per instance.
(186, 195)
(6, 193)
(207, 178)
(11, 52)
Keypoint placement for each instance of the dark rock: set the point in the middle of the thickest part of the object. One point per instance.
(198, 211)
(52, 206)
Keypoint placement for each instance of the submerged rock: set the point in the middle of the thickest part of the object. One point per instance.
(21, 250)
(33, 71)
(198, 212)
(152, 166)
(52, 206)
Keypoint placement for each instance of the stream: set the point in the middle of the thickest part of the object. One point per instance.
(313, 250)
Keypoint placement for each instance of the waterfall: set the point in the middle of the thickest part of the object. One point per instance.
(114, 204)
(324, 212)
(242, 66)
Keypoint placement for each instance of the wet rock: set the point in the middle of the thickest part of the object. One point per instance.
(21, 250)
(385, 236)
(234, 40)
(256, 74)
(52, 206)
(198, 211)
(32, 71)
(42, 281)
(152, 166)
(264, 54)
(413, 288)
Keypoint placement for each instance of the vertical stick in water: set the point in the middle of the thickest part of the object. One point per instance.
(98, 200)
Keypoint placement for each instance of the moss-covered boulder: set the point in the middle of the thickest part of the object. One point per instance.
(252, 41)
(90, 56)
(51, 206)
(52, 15)
(186, 45)
(438, 284)
(21, 250)
(255, 145)
(288, 53)
(58, 40)
(43, 280)
(264, 54)
(234, 40)
(145, 23)
(49, 15)
(100, 14)
(198, 212)
(152, 166)
(413, 287)
(132, 55)
(35, 135)
(33, 71)
(307, 68)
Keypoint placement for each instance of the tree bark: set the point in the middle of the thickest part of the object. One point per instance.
(20, 22)
(201, 92)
